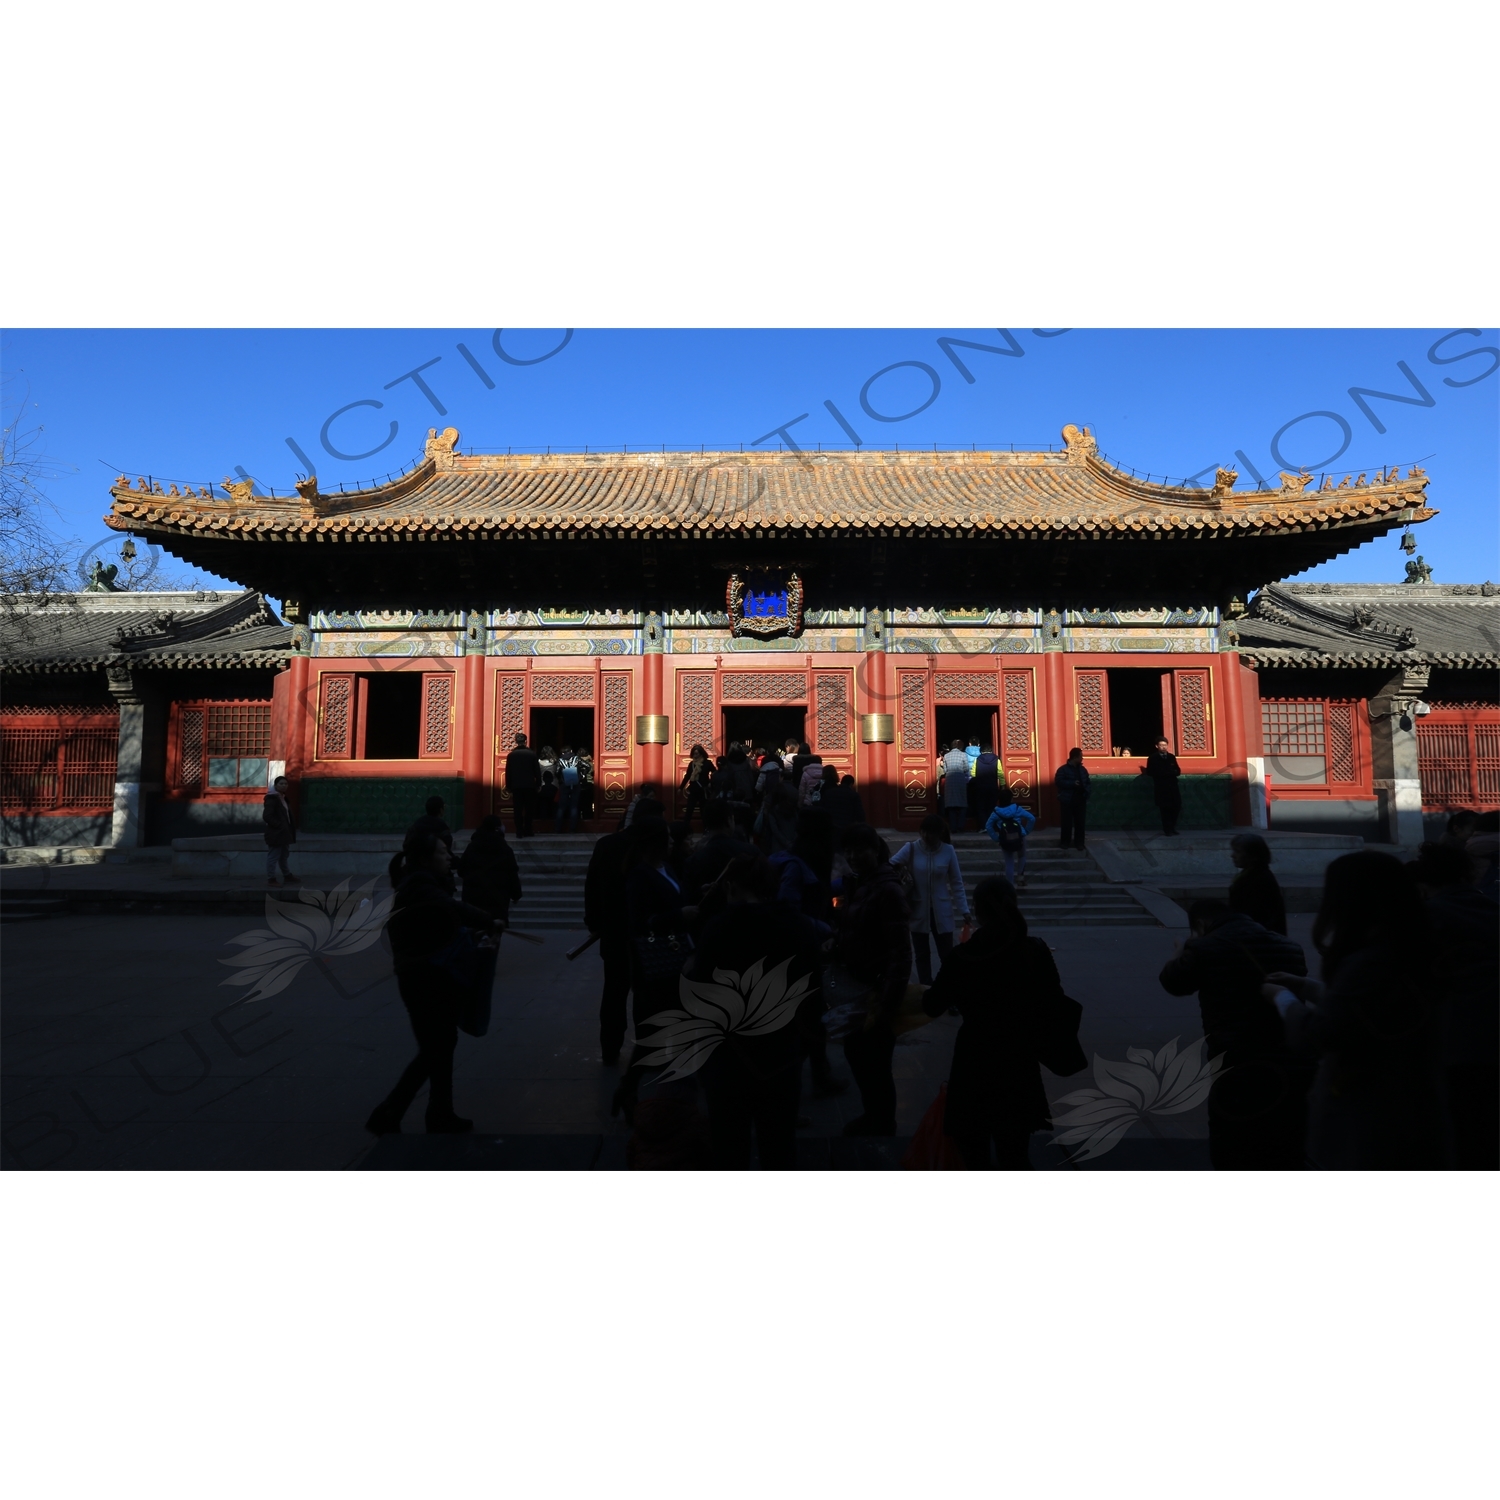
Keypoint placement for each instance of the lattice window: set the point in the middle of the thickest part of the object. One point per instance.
(1018, 711)
(437, 714)
(190, 750)
(965, 687)
(1192, 712)
(913, 710)
(616, 713)
(58, 767)
(831, 714)
(780, 687)
(237, 745)
(512, 715)
(562, 687)
(239, 729)
(336, 717)
(696, 723)
(1093, 732)
(1341, 742)
(1292, 728)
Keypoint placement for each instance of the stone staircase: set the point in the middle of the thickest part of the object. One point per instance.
(552, 871)
(1063, 887)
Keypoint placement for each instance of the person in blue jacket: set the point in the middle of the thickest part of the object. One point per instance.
(1008, 826)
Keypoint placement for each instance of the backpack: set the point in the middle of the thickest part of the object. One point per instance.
(1011, 835)
(569, 771)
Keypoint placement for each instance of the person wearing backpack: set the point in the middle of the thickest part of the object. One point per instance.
(1009, 826)
(984, 789)
(569, 790)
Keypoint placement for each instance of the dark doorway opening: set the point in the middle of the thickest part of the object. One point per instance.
(1135, 709)
(763, 728)
(393, 715)
(973, 723)
(555, 727)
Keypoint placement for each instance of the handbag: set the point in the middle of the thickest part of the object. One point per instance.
(932, 1149)
(660, 956)
(471, 968)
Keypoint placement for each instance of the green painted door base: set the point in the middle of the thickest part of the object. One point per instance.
(376, 804)
(1125, 802)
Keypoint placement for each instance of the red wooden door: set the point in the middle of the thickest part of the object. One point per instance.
(1017, 742)
(1091, 710)
(914, 747)
(1194, 712)
(336, 716)
(439, 717)
(510, 720)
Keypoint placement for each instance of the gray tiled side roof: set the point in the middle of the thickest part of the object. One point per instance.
(202, 629)
(1371, 624)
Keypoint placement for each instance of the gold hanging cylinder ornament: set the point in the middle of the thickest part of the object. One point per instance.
(652, 729)
(877, 729)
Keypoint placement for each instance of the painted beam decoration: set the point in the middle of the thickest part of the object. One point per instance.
(764, 604)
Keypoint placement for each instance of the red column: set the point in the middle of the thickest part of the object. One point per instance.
(1231, 695)
(1055, 723)
(301, 724)
(877, 793)
(474, 761)
(653, 757)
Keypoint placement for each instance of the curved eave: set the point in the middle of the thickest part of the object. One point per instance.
(145, 519)
(1298, 657)
(264, 657)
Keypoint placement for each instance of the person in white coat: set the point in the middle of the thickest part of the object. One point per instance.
(942, 904)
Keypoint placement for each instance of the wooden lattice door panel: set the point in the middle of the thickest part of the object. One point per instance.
(1017, 744)
(1194, 712)
(1091, 711)
(833, 716)
(1459, 761)
(510, 720)
(1487, 764)
(697, 712)
(336, 716)
(612, 768)
(1444, 763)
(914, 741)
(439, 716)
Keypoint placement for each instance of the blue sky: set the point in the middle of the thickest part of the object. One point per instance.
(199, 404)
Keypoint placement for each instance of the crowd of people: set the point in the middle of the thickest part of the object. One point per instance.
(1386, 1059)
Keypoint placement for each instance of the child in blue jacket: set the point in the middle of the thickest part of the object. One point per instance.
(1009, 825)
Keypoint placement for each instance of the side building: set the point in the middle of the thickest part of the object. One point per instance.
(132, 719)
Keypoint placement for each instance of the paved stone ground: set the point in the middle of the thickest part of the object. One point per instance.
(124, 1049)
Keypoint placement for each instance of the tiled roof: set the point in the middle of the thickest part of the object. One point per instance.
(201, 629)
(451, 494)
(1372, 625)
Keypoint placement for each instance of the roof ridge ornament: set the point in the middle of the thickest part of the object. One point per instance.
(441, 446)
(1224, 481)
(1294, 484)
(1081, 444)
